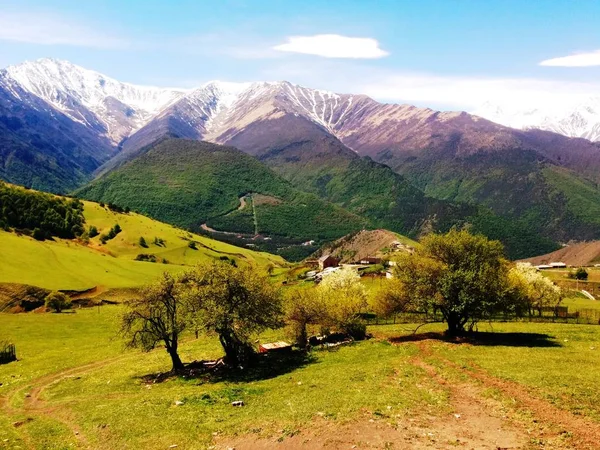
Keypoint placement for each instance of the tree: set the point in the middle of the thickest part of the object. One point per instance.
(192, 245)
(142, 242)
(58, 301)
(344, 297)
(92, 231)
(462, 276)
(537, 290)
(158, 315)
(304, 307)
(581, 274)
(235, 303)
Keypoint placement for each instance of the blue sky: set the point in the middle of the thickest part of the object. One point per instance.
(445, 54)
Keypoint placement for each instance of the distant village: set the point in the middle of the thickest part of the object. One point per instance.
(328, 264)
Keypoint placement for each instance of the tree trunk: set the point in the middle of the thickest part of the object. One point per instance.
(176, 360)
(455, 328)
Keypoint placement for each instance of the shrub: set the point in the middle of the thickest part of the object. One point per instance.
(146, 257)
(58, 301)
(192, 245)
(143, 243)
(581, 274)
(92, 231)
(38, 234)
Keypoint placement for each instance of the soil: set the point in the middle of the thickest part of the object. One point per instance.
(580, 254)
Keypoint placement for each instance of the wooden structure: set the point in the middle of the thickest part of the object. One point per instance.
(326, 261)
(280, 346)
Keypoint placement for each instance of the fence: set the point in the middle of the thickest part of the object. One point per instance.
(558, 314)
(8, 353)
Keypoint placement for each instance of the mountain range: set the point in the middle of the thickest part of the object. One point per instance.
(400, 167)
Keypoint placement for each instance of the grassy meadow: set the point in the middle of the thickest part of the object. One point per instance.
(68, 264)
(75, 386)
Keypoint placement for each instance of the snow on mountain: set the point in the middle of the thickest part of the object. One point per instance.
(581, 120)
(116, 108)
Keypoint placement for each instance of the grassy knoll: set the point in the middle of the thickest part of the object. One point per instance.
(66, 264)
(110, 407)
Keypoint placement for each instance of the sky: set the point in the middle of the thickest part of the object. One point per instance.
(445, 54)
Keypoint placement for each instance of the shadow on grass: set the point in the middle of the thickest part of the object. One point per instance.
(262, 367)
(484, 339)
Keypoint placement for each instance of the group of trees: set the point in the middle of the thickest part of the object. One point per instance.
(461, 277)
(214, 298)
(45, 215)
(465, 279)
(335, 304)
(112, 233)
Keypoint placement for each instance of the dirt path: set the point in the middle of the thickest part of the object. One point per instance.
(514, 419)
(579, 432)
(34, 405)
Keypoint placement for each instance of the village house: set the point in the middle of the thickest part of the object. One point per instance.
(326, 261)
(370, 260)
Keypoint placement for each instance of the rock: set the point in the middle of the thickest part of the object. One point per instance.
(178, 403)
(457, 416)
(173, 446)
(237, 403)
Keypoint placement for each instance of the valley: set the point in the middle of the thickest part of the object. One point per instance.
(259, 265)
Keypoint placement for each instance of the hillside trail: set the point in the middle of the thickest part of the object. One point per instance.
(548, 425)
(34, 405)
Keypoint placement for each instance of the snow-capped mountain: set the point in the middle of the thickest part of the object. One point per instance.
(99, 102)
(582, 120)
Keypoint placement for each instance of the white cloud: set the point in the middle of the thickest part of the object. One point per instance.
(469, 93)
(51, 29)
(588, 59)
(333, 46)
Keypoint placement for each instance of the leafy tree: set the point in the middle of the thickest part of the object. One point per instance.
(159, 315)
(57, 301)
(581, 274)
(345, 297)
(463, 276)
(142, 242)
(92, 231)
(235, 303)
(192, 245)
(304, 307)
(536, 290)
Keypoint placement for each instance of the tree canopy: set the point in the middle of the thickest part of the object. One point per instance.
(462, 276)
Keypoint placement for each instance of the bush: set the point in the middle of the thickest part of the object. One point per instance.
(58, 301)
(355, 328)
(143, 243)
(581, 274)
(192, 245)
(38, 234)
(146, 257)
(92, 231)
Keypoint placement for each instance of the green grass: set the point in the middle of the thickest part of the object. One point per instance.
(114, 409)
(66, 264)
(563, 372)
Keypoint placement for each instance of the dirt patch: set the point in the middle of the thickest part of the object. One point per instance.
(420, 432)
(580, 254)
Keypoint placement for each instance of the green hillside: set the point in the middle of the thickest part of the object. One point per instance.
(520, 186)
(73, 264)
(390, 201)
(189, 183)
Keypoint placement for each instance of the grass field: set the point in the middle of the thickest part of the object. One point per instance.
(66, 264)
(74, 386)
